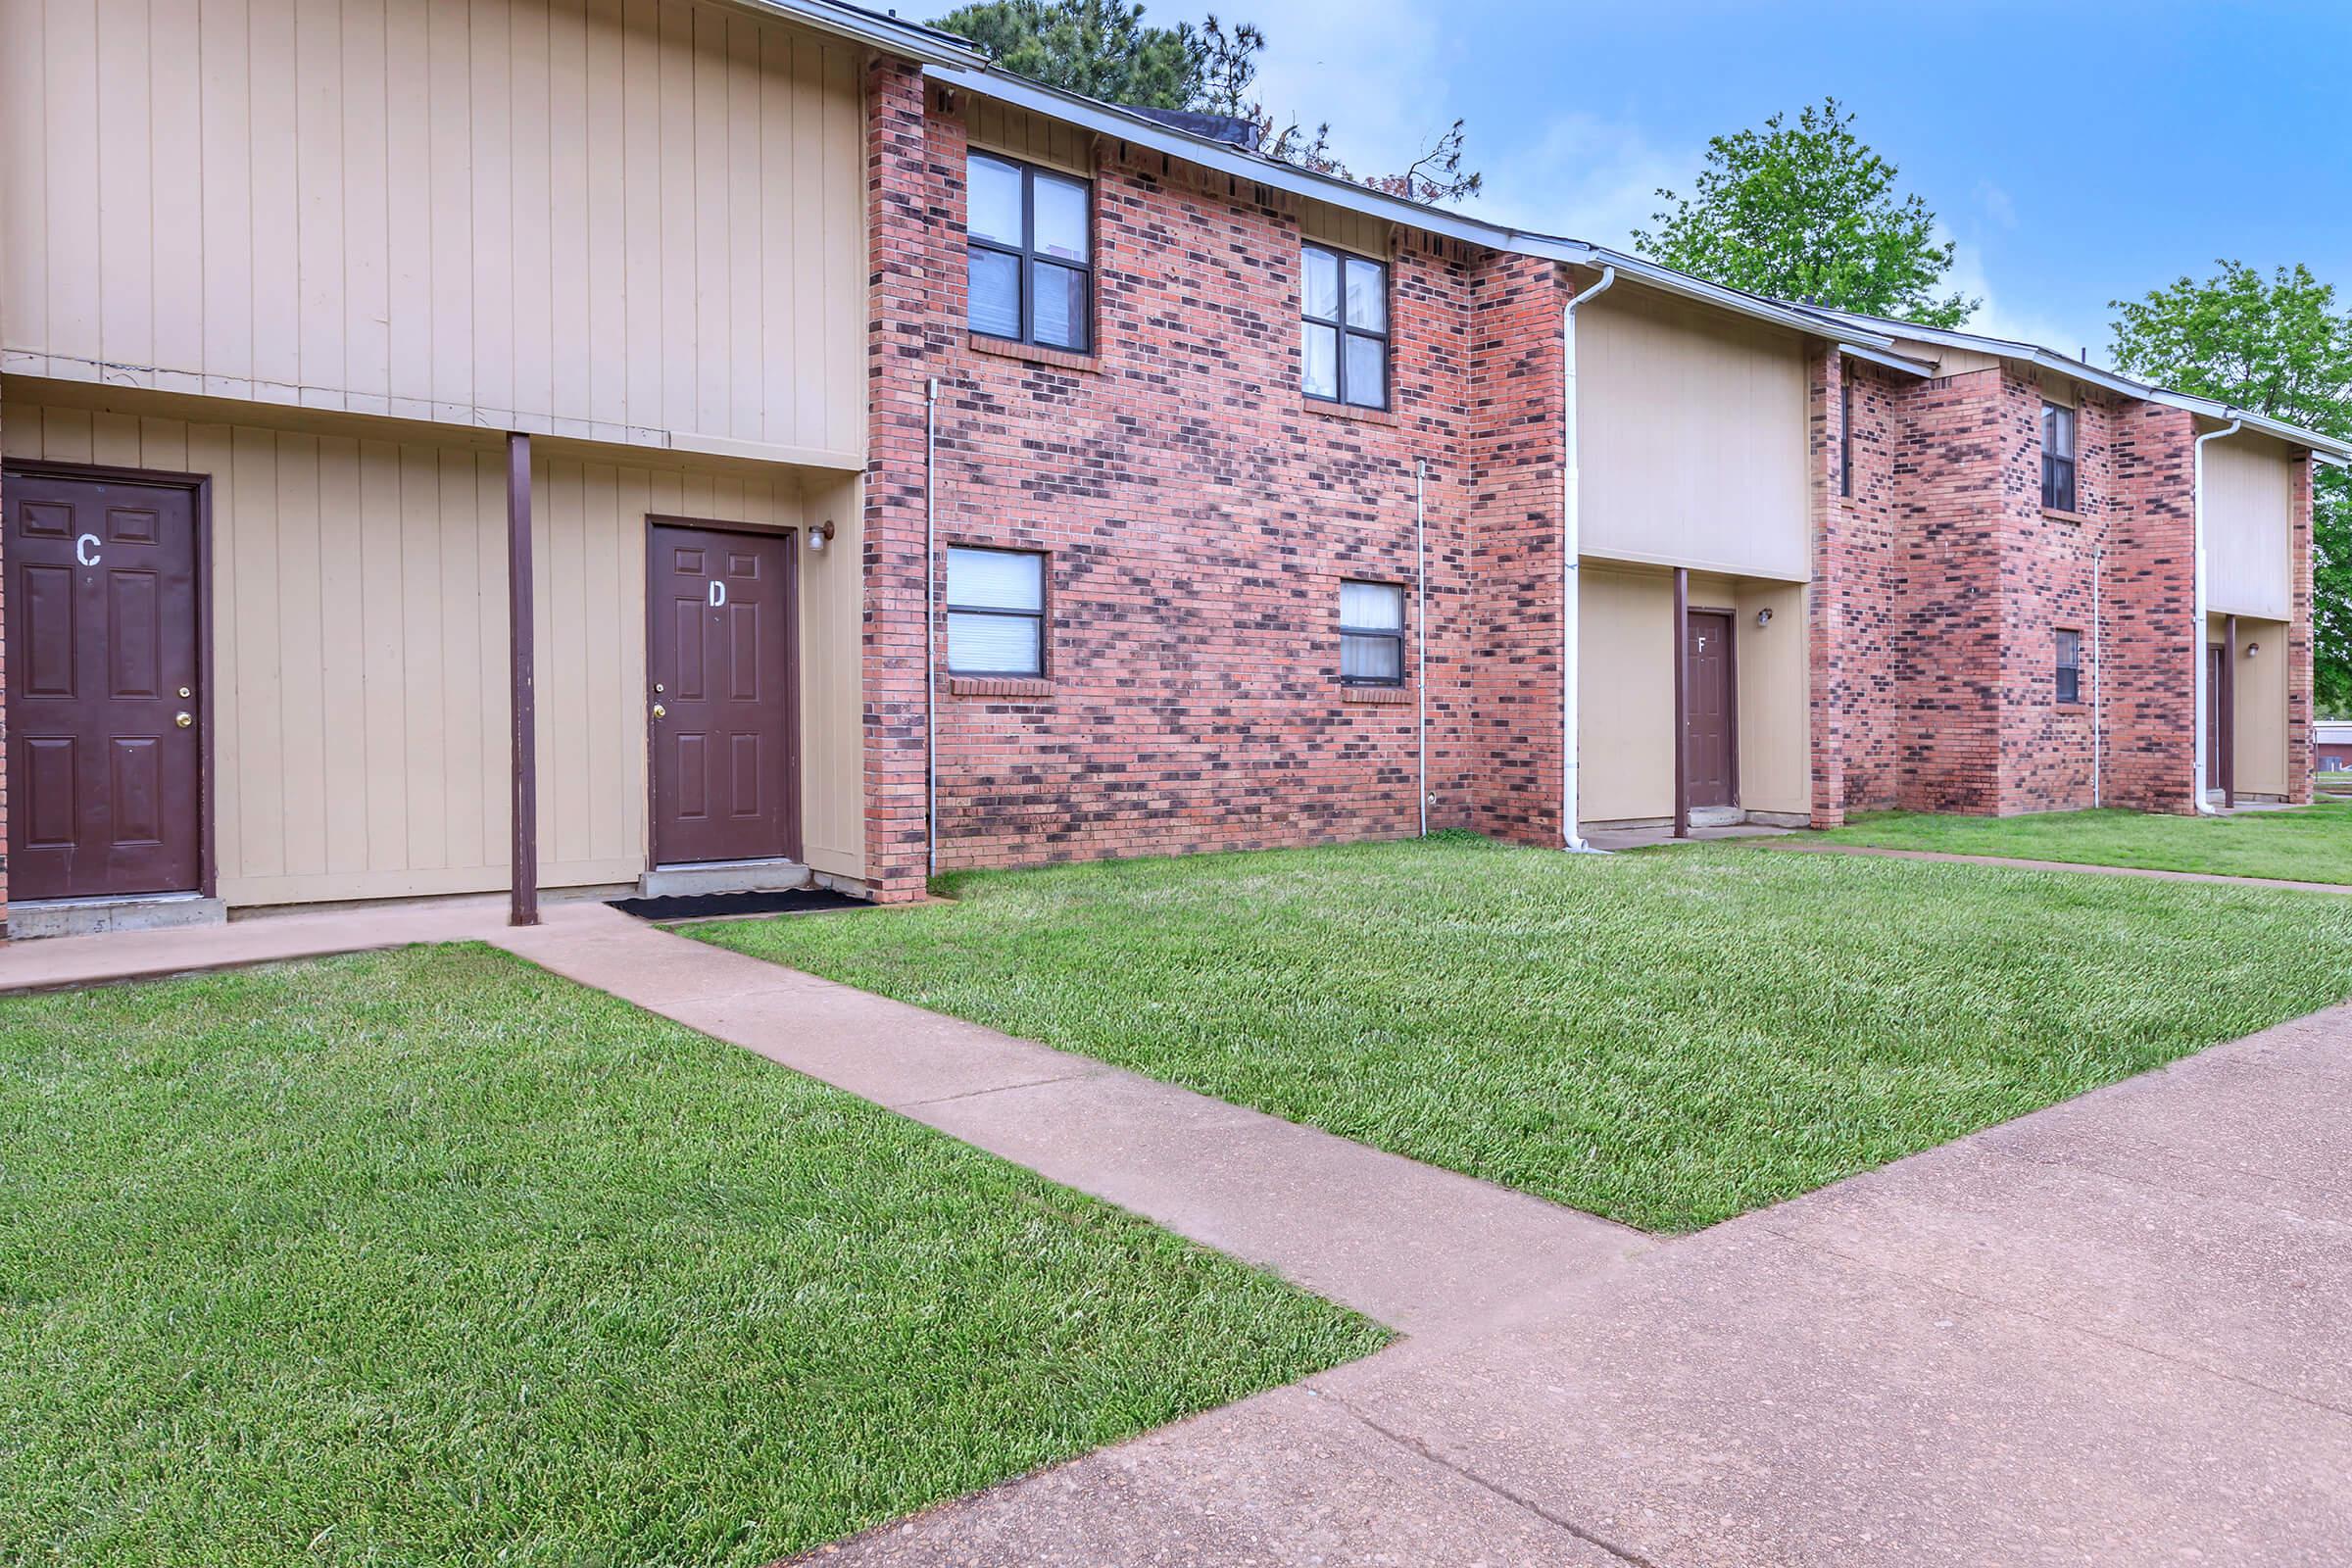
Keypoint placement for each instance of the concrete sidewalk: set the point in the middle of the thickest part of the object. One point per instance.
(1413, 1246)
(2117, 1331)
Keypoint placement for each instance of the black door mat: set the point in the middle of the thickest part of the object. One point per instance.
(710, 906)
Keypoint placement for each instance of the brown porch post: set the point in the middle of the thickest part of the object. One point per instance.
(1682, 703)
(2228, 698)
(523, 858)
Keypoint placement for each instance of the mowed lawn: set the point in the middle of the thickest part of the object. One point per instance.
(433, 1258)
(2313, 844)
(1668, 1038)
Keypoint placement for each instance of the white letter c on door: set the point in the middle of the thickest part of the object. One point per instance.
(85, 549)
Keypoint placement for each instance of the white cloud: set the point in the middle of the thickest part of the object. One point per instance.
(1999, 317)
(1996, 204)
(1587, 178)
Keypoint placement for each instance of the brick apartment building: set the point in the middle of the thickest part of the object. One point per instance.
(719, 444)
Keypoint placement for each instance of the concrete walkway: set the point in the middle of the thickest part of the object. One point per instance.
(1413, 1246)
(2012, 863)
(2119, 1330)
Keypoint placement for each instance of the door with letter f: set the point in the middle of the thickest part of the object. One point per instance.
(721, 658)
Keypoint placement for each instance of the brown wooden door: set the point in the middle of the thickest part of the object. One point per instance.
(725, 751)
(1710, 740)
(105, 721)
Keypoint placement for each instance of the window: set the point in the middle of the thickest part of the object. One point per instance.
(1345, 352)
(2057, 458)
(1845, 438)
(2070, 666)
(1371, 634)
(995, 613)
(1031, 271)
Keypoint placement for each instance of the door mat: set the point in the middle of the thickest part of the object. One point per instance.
(727, 906)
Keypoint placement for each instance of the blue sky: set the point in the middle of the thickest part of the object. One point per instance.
(2077, 153)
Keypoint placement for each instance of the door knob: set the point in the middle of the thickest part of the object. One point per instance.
(658, 712)
(183, 720)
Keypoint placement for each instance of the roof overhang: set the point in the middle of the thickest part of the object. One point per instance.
(2326, 449)
(909, 40)
(1110, 119)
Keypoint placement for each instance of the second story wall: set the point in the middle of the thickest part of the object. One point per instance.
(604, 218)
(2250, 510)
(1693, 429)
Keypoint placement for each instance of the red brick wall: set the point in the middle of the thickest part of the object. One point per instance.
(1519, 463)
(2151, 695)
(1198, 516)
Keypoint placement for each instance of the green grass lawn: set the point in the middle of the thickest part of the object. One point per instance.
(433, 1259)
(1667, 1038)
(2310, 845)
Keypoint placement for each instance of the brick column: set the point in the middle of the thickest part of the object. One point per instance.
(2151, 590)
(1825, 609)
(2299, 651)
(896, 360)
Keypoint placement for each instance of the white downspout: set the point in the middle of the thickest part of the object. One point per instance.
(1571, 546)
(2098, 675)
(2197, 643)
(931, 625)
(1421, 634)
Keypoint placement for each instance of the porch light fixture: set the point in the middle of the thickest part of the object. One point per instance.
(1764, 617)
(2252, 649)
(818, 537)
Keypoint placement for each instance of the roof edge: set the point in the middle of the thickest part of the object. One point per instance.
(912, 41)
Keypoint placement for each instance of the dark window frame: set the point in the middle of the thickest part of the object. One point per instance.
(1027, 257)
(1041, 615)
(1393, 634)
(1338, 322)
(2058, 492)
(1845, 437)
(2068, 684)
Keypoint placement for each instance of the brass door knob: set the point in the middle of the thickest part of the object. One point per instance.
(658, 712)
(183, 720)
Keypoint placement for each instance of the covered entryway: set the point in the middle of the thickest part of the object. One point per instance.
(1712, 719)
(106, 704)
(720, 655)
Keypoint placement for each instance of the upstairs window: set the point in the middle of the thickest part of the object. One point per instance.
(2057, 458)
(1371, 634)
(2070, 666)
(995, 613)
(1346, 348)
(1029, 234)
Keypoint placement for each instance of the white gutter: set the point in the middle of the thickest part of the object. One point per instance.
(2197, 646)
(1421, 634)
(1572, 540)
(924, 45)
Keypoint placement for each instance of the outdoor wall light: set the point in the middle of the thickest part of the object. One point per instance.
(818, 537)
(1764, 617)
(2252, 649)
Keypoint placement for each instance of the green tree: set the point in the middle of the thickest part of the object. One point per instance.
(1807, 212)
(2277, 346)
(1106, 49)
(1102, 48)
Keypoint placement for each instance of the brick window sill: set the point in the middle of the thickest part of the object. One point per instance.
(2055, 515)
(1388, 695)
(997, 686)
(1006, 348)
(1348, 411)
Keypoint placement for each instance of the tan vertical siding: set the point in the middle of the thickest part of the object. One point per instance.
(358, 696)
(2260, 716)
(1692, 438)
(2250, 510)
(1032, 138)
(1626, 691)
(1361, 232)
(610, 219)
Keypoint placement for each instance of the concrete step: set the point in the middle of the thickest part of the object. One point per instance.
(81, 917)
(722, 876)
